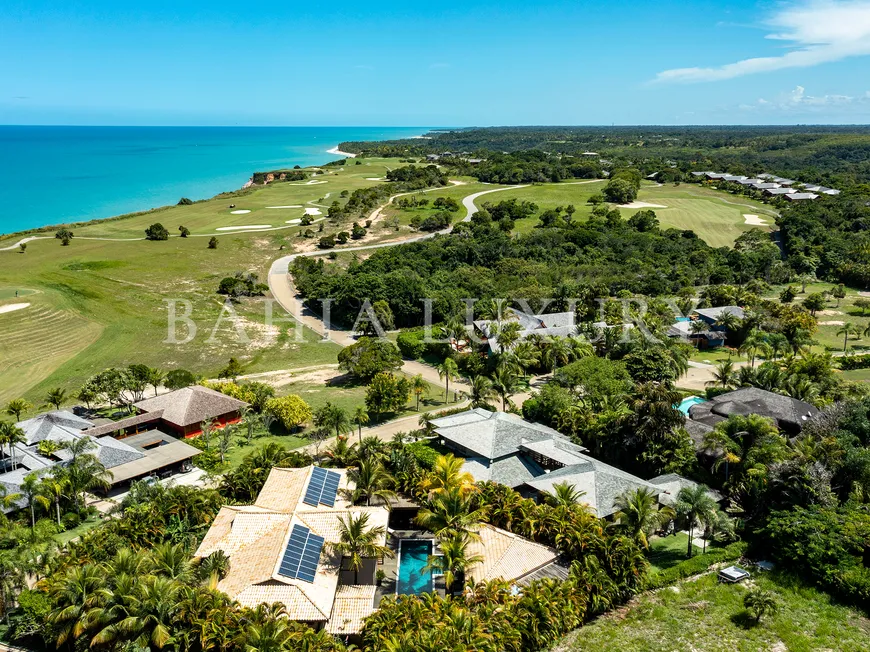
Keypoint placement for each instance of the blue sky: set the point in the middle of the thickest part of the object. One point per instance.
(444, 64)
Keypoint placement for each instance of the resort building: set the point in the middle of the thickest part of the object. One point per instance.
(713, 335)
(548, 325)
(531, 458)
(801, 196)
(184, 410)
(127, 457)
(279, 551)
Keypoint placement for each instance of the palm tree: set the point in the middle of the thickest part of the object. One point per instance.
(16, 407)
(447, 371)
(341, 453)
(450, 512)
(759, 602)
(696, 506)
(565, 495)
(155, 378)
(447, 474)
(480, 391)
(56, 397)
(846, 330)
(30, 490)
(361, 418)
(207, 428)
(522, 357)
(10, 434)
(637, 512)
(371, 480)
(557, 353)
(508, 334)
(53, 487)
(84, 471)
(724, 375)
(505, 383)
(454, 560)
(358, 542)
(78, 591)
(332, 417)
(419, 387)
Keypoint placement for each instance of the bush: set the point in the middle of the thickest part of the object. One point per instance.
(184, 201)
(212, 243)
(290, 410)
(64, 235)
(184, 231)
(423, 453)
(326, 242)
(368, 357)
(411, 344)
(695, 565)
(70, 520)
(436, 222)
(156, 232)
(850, 362)
(179, 378)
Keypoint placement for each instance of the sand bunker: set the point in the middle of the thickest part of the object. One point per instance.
(240, 212)
(833, 322)
(293, 206)
(313, 211)
(641, 204)
(13, 307)
(754, 220)
(375, 178)
(246, 226)
(293, 221)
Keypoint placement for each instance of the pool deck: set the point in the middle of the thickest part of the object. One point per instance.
(391, 564)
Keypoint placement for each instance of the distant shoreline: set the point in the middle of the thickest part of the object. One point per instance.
(51, 227)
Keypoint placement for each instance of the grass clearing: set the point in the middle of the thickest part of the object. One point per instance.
(701, 614)
(665, 552)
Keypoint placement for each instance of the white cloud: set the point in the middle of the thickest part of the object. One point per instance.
(818, 31)
(797, 100)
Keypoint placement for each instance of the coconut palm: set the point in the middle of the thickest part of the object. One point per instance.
(78, 591)
(16, 407)
(450, 512)
(31, 492)
(371, 480)
(454, 560)
(84, 471)
(10, 434)
(480, 391)
(342, 453)
(505, 383)
(696, 507)
(846, 330)
(56, 397)
(53, 487)
(522, 357)
(446, 475)
(557, 353)
(419, 386)
(724, 375)
(357, 541)
(360, 418)
(507, 335)
(447, 371)
(565, 495)
(637, 512)
(333, 418)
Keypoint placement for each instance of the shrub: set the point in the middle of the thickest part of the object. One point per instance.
(342, 237)
(423, 453)
(436, 222)
(184, 231)
(64, 235)
(326, 242)
(184, 201)
(368, 357)
(156, 232)
(850, 362)
(70, 520)
(290, 410)
(179, 378)
(212, 243)
(411, 344)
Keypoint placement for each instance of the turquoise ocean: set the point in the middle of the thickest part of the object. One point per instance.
(51, 175)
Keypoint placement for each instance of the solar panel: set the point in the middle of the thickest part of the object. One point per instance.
(302, 554)
(322, 488)
(315, 486)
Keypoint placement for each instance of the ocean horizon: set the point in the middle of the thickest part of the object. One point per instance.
(57, 174)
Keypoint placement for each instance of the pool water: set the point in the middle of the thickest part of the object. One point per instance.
(414, 578)
(686, 403)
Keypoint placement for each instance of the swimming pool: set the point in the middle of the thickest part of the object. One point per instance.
(688, 402)
(414, 578)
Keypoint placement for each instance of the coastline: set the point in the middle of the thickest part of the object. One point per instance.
(335, 151)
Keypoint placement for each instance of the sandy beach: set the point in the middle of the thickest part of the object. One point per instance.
(338, 152)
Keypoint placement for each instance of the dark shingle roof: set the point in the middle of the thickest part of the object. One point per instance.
(788, 412)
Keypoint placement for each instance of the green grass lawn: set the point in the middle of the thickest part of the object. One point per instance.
(65, 537)
(701, 614)
(665, 552)
(98, 303)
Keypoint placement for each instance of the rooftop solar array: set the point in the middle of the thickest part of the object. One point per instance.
(302, 554)
(322, 488)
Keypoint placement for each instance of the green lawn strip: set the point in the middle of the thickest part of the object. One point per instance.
(65, 537)
(702, 614)
(669, 551)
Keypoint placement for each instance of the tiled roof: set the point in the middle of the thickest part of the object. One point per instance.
(57, 426)
(785, 410)
(191, 405)
(353, 604)
(506, 555)
(511, 471)
(561, 324)
(115, 426)
(717, 312)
